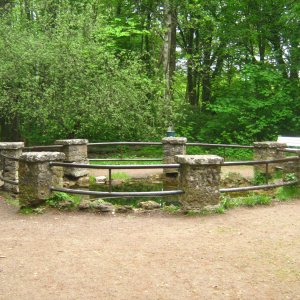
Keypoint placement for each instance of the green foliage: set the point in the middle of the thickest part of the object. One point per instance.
(92, 180)
(32, 210)
(259, 178)
(250, 201)
(11, 201)
(96, 69)
(285, 193)
(68, 81)
(120, 176)
(63, 200)
(290, 177)
(257, 200)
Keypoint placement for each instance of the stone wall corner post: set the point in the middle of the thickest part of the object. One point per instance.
(36, 176)
(76, 151)
(172, 146)
(199, 178)
(10, 168)
(267, 151)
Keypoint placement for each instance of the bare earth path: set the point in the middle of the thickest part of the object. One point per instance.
(245, 171)
(243, 254)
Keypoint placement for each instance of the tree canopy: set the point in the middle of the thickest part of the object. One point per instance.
(220, 71)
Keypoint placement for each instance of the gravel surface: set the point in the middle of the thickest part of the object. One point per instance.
(243, 254)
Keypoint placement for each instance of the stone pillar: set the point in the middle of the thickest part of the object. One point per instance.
(267, 151)
(199, 179)
(10, 168)
(36, 176)
(75, 152)
(172, 146)
(293, 166)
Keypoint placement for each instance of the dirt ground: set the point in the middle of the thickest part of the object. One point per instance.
(243, 254)
(245, 171)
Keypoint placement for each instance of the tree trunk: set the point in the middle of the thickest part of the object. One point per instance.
(169, 50)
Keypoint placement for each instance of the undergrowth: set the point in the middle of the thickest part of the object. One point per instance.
(285, 193)
(62, 200)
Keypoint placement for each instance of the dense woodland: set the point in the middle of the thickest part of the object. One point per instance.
(219, 71)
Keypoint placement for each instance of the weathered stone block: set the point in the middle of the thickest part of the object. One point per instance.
(267, 151)
(200, 177)
(36, 176)
(173, 146)
(75, 151)
(9, 167)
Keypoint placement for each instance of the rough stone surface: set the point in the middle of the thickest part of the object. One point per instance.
(100, 179)
(11, 145)
(10, 168)
(174, 140)
(42, 156)
(267, 151)
(84, 205)
(36, 176)
(102, 206)
(200, 181)
(83, 181)
(71, 142)
(269, 145)
(172, 146)
(124, 209)
(199, 159)
(149, 205)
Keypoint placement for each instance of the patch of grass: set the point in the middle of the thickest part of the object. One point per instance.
(30, 210)
(120, 176)
(257, 200)
(229, 153)
(11, 201)
(92, 180)
(290, 177)
(251, 200)
(219, 209)
(259, 178)
(285, 193)
(63, 201)
(171, 209)
(26, 210)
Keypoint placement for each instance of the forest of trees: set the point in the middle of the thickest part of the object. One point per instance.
(219, 71)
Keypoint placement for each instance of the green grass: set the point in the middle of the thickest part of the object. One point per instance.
(250, 201)
(11, 201)
(92, 180)
(63, 200)
(120, 176)
(285, 193)
(171, 208)
(231, 154)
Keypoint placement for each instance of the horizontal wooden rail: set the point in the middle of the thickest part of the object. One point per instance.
(125, 143)
(117, 167)
(259, 162)
(118, 194)
(257, 187)
(220, 145)
(125, 159)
